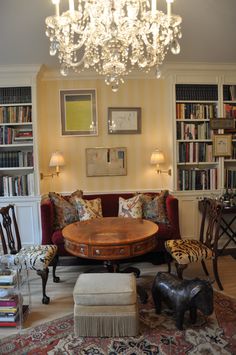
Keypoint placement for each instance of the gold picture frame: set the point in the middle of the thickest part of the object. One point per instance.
(124, 120)
(111, 161)
(222, 145)
(78, 112)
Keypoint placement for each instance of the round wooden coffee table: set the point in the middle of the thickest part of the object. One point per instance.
(111, 239)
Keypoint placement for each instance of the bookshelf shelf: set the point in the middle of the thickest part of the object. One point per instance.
(17, 142)
(195, 106)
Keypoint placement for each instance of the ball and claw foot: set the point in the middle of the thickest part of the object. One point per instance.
(56, 279)
(45, 300)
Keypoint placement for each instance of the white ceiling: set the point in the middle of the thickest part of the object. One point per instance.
(209, 31)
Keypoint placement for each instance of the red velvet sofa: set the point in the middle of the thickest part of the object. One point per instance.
(110, 205)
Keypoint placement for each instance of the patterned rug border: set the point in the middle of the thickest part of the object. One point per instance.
(158, 335)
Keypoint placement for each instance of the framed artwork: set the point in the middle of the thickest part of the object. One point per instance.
(124, 120)
(222, 145)
(222, 123)
(78, 113)
(106, 161)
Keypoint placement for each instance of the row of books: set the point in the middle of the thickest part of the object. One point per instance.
(10, 302)
(195, 152)
(205, 92)
(197, 179)
(230, 178)
(11, 95)
(230, 111)
(9, 135)
(196, 111)
(190, 131)
(16, 159)
(21, 185)
(15, 114)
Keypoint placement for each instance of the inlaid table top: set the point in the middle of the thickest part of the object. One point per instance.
(110, 238)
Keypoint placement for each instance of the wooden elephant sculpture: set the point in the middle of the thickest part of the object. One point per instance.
(182, 295)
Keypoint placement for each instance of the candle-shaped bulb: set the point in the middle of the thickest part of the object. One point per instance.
(56, 3)
(154, 6)
(71, 6)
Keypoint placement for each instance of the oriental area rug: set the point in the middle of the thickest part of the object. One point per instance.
(215, 334)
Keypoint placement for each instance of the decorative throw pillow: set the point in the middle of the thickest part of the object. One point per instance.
(65, 212)
(131, 207)
(154, 208)
(88, 209)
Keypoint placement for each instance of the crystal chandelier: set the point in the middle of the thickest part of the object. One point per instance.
(113, 37)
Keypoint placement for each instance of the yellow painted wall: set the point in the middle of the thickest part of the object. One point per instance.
(149, 94)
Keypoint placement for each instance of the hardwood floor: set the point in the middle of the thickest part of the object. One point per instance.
(62, 299)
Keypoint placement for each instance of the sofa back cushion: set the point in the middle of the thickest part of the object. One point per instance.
(110, 202)
(64, 209)
(88, 209)
(130, 207)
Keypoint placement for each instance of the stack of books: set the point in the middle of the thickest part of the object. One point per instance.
(9, 300)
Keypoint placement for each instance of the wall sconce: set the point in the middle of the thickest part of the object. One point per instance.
(56, 160)
(158, 158)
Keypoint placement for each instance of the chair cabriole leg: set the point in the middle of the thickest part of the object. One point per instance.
(44, 276)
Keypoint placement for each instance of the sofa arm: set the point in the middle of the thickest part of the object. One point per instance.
(47, 221)
(172, 207)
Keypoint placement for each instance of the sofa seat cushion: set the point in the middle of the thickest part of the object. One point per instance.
(105, 289)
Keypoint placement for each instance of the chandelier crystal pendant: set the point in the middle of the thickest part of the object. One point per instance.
(114, 37)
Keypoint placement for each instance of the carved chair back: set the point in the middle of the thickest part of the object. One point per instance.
(210, 224)
(9, 231)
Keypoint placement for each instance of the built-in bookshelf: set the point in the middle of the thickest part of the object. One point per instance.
(196, 105)
(229, 109)
(16, 142)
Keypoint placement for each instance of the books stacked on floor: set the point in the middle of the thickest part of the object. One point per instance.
(10, 302)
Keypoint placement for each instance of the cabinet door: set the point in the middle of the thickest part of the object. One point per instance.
(27, 214)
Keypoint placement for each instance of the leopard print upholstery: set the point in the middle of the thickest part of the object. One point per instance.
(187, 251)
(36, 257)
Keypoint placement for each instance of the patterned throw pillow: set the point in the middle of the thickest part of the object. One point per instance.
(154, 208)
(65, 212)
(131, 207)
(88, 209)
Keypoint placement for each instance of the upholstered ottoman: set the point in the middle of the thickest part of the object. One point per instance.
(105, 305)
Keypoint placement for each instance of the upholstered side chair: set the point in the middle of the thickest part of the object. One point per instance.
(185, 251)
(36, 257)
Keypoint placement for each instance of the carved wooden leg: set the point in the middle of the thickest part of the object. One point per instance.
(204, 267)
(44, 276)
(180, 268)
(215, 269)
(54, 265)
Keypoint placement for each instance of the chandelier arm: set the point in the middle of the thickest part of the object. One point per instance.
(113, 37)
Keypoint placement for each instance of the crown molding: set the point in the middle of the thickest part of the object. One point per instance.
(166, 69)
(20, 74)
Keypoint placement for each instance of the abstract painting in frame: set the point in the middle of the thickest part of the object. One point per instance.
(78, 112)
(106, 161)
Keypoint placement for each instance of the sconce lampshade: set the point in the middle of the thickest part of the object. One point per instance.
(57, 160)
(157, 157)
